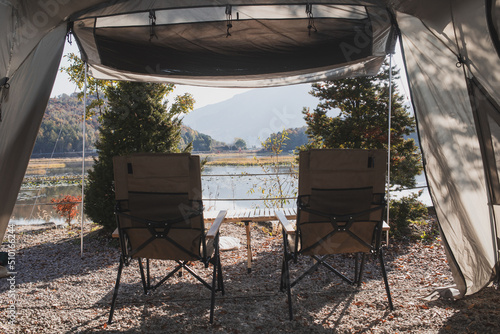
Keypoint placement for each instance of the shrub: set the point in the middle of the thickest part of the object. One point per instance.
(404, 213)
(66, 207)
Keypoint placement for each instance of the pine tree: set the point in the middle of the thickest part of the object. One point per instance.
(362, 121)
(136, 120)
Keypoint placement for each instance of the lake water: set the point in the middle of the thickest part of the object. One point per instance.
(224, 187)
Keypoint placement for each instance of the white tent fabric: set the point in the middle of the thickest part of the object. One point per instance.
(22, 108)
(451, 151)
(265, 43)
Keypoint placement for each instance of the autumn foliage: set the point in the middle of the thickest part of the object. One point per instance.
(66, 206)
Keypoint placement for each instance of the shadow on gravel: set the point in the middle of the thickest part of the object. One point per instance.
(48, 261)
(478, 313)
(252, 302)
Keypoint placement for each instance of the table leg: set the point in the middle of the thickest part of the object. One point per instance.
(249, 246)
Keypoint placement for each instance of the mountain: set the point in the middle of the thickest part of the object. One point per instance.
(60, 133)
(253, 115)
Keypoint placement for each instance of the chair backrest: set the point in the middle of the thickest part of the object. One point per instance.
(341, 200)
(159, 200)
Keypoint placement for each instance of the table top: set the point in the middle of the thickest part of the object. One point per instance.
(254, 215)
(257, 215)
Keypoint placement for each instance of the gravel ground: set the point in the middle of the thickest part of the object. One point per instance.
(56, 291)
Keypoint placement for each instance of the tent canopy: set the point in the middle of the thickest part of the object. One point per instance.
(240, 45)
(451, 50)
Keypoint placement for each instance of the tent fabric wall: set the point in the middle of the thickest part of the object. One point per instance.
(433, 35)
(454, 165)
(22, 112)
(31, 44)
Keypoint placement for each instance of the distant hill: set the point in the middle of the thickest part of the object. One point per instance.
(60, 133)
(201, 142)
(253, 115)
(296, 137)
(61, 130)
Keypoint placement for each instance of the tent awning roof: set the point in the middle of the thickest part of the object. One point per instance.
(236, 46)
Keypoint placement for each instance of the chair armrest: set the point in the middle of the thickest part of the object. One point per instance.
(284, 222)
(214, 229)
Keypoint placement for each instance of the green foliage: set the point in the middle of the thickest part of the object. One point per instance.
(276, 188)
(240, 144)
(405, 213)
(200, 141)
(295, 137)
(362, 106)
(61, 128)
(95, 88)
(136, 121)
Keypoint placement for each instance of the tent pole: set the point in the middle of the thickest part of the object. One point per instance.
(83, 155)
(389, 140)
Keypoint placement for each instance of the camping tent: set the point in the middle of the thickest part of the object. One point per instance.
(451, 50)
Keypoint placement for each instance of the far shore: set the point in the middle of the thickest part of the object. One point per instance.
(244, 158)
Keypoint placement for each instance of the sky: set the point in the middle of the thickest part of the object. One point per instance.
(202, 95)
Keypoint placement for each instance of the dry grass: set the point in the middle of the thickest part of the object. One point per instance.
(249, 161)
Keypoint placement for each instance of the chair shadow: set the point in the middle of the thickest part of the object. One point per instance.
(254, 300)
(186, 304)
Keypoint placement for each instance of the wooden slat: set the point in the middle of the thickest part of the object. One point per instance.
(210, 214)
(239, 213)
(231, 214)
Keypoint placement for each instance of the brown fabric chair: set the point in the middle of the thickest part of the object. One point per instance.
(160, 216)
(340, 209)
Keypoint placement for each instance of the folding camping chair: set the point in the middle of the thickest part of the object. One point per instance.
(160, 216)
(340, 208)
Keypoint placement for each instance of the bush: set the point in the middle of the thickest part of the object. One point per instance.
(405, 213)
(66, 207)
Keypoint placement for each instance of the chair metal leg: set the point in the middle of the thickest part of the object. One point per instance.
(361, 267)
(288, 288)
(220, 279)
(115, 294)
(212, 297)
(282, 278)
(285, 274)
(356, 267)
(386, 282)
(143, 278)
(148, 275)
